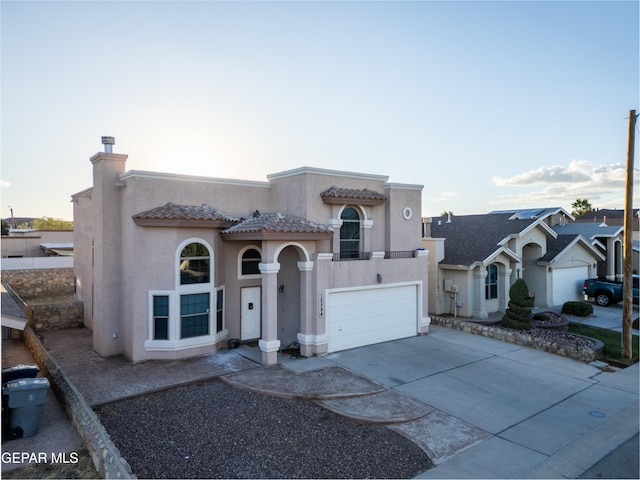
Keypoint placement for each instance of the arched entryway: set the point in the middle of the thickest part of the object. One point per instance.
(288, 297)
(534, 275)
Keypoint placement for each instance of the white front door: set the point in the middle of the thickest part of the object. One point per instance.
(250, 313)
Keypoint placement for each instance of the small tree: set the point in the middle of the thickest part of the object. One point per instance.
(50, 223)
(581, 207)
(5, 228)
(518, 313)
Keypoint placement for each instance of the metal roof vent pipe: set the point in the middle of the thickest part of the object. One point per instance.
(108, 143)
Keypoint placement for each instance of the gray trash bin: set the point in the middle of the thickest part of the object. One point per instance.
(24, 400)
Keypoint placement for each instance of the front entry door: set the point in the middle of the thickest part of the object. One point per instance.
(250, 313)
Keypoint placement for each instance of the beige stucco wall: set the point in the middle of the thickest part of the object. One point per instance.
(82, 253)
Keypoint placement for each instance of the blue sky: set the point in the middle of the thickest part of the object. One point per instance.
(489, 105)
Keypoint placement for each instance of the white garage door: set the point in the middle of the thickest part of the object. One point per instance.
(567, 284)
(371, 315)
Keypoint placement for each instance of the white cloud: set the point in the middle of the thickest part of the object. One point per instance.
(578, 171)
(4, 183)
(602, 185)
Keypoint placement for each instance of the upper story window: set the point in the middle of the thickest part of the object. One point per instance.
(194, 264)
(491, 282)
(350, 233)
(250, 262)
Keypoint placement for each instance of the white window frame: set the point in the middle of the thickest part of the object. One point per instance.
(174, 342)
(240, 254)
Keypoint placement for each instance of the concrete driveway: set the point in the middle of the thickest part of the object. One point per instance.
(545, 416)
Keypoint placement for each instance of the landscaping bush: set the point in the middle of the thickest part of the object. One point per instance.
(579, 309)
(543, 317)
(518, 311)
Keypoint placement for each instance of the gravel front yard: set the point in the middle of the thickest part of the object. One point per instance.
(212, 430)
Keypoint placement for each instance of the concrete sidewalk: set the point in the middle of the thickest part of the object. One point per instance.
(478, 407)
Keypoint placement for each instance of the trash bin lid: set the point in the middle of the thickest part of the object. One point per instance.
(22, 366)
(25, 384)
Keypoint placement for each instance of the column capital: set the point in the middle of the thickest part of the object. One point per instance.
(269, 267)
(305, 266)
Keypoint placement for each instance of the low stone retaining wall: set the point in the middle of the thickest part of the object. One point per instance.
(54, 316)
(582, 353)
(106, 457)
(37, 283)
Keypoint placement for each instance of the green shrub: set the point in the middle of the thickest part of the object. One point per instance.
(635, 324)
(516, 324)
(579, 309)
(518, 310)
(543, 317)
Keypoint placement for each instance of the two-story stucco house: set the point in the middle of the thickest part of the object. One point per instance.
(474, 260)
(173, 266)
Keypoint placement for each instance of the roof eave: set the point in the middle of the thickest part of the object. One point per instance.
(182, 223)
(357, 201)
(275, 235)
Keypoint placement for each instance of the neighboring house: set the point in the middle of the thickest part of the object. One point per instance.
(37, 243)
(173, 266)
(474, 260)
(615, 218)
(608, 240)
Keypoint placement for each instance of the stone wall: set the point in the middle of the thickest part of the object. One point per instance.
(106, 457)
(583, 353)
(54, 316)
(37, 283)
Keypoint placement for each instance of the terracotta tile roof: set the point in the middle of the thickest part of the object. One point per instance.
(171, 211)
(362, 196)
(276, 224)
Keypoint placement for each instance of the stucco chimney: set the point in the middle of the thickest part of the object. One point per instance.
(106, 199)
(426, 227)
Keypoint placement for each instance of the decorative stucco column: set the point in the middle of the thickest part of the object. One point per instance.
(504, 284)
(336, 224)
(269, 343)
(611, 260)
(479, 296)
(365, 236)
(306, 304)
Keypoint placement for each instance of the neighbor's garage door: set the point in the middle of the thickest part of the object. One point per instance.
(371, 315)
(567, 284)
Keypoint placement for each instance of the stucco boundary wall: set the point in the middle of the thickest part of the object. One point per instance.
(581, 353)
(106, 457)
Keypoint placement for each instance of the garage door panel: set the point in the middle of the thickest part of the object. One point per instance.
(363, 317)
(567, 284)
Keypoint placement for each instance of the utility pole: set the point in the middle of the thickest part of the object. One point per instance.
(627, 305)
(13, 220)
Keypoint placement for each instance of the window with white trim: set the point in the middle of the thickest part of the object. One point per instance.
(491, 282)
(184, 317)
(250, 262)
(194, 264)
(160, 324)
(350, 233)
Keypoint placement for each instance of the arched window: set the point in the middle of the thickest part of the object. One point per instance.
(250, 262)
(194, 264)
(491, 282)
(350, 233)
